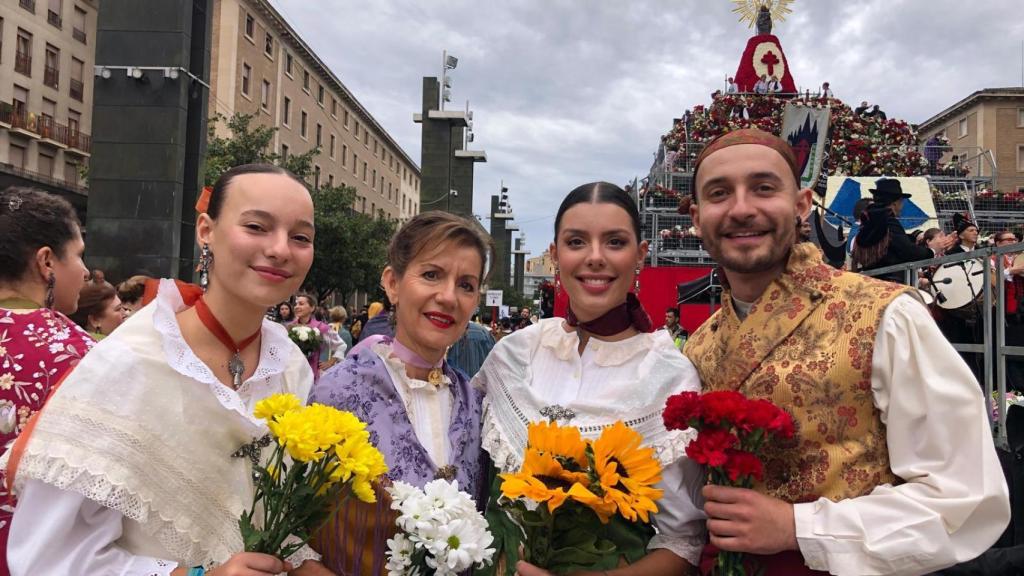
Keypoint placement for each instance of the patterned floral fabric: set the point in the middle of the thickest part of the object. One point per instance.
(807, 345)
(37, 348)
(362, 385)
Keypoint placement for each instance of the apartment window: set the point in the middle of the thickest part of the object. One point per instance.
(77, 87)
(23, 53)
(265, 95)
(364, 171)
(49, 110)
(381, 184)
(1020, 117)
(373, 208)
(74, 121)
(20, 103)
(344, 154)
(366, 138)
(45, 165)
(78, 25)
(389, 190)
(330, 180)
(53, 15)
(357, 131)
(319, 135)
(375, 147)
(71, 173)
(364, 205)
(1020, 157)
(246, 78)
(346, 119)
(302, 124)
(250, 26)
(287, 112)
(284, 151)
(288, 64)
(316, 177)
(962, 127)
(29, 5)
(305, 80)
(268, 45)
(332, 147)
(17, 155)
(334, 106)
(320, 94)
(373, 183)
(51, 69)
(355, 164)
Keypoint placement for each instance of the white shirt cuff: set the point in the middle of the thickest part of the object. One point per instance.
(815, 554)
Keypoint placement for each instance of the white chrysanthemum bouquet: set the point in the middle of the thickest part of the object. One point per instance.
(308, 339)
(439, 531)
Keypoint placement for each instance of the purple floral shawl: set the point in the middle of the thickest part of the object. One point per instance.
(362, 385)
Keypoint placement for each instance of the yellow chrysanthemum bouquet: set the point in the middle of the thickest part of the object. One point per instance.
(320, 456)
(570, 493)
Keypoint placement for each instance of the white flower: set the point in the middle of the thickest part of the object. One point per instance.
(399, 554)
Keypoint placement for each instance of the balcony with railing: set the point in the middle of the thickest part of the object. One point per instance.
(45, 128)
(77, 89)
(51, 77)
(78, 34)
(53, 18)
(23, 63)
(29, 5)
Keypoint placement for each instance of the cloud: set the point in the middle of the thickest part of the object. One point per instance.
(567, 92)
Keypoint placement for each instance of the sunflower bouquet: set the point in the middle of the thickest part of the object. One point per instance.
(571, 497)
(320, 456)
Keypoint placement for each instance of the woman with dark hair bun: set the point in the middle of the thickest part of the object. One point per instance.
(99, 310)
(41, 274)
(134, 462)
(599, 365)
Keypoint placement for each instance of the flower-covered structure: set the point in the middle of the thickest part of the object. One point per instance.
(861, 145)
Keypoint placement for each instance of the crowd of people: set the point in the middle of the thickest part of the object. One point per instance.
(121, 452)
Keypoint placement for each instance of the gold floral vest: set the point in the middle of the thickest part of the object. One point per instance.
(807, 346)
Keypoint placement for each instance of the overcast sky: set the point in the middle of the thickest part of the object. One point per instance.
(568, 92)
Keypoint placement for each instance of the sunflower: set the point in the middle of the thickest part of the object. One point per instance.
(563, 443)
(541, 479)
(626, 472)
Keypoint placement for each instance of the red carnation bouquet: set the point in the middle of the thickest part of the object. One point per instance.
(731, 431)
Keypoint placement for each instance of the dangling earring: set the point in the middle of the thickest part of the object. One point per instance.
(51, 281)
(636, 281)
(558, 281)
(205, 258)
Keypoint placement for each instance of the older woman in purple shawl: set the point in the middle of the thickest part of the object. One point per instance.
(421, 413)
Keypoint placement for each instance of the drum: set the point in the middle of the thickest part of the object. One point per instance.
(958, 286)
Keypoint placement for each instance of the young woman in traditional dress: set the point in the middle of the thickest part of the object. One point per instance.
(140, 462)
(41, 275)
(422, 413)
(600, 364)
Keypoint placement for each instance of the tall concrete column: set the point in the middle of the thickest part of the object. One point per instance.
(446, 167)
(519, 270)
(500, 218)
(149, 137)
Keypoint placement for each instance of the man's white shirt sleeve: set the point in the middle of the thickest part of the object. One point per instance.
(954, 503)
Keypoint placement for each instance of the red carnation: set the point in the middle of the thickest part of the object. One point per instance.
(681, 409)
(710, 445)
(724, 405)
(740, 464)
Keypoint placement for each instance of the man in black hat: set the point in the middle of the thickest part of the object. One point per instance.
(966, 235)
(882, 240)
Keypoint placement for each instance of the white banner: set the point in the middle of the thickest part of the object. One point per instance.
(806, 129)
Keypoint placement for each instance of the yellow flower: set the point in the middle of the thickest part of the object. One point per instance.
(541, 479)
(522, 485)
(603, 506)
(298, 435)
(363, 490)
(626, 471)
(563, 443)
(276, 405)
(358, 459)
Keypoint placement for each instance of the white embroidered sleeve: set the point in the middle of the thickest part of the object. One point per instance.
(954, 503)
(680, 519)
(59, 532)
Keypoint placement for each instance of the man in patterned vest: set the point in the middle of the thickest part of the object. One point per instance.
(892, 469)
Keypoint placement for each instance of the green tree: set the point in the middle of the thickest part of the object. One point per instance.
(248, 143)
(351, 248)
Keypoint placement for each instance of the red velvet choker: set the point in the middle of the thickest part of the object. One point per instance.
(626, 315)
